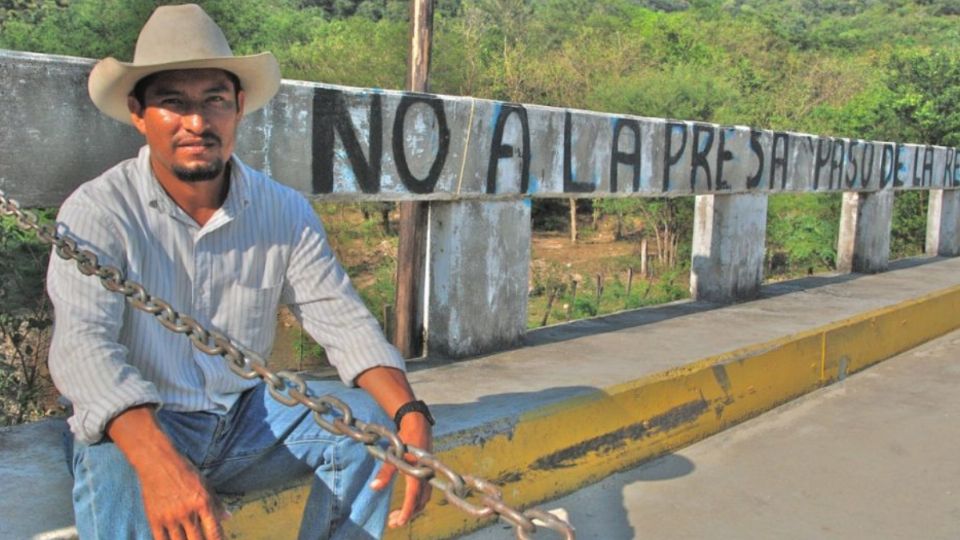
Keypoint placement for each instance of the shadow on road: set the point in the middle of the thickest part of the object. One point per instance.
(604, 516)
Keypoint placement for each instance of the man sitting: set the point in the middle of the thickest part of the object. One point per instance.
(158, 425)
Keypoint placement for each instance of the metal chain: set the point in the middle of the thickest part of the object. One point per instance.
(290, 389)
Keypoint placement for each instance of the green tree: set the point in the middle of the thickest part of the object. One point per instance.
(909, 228)
(622, 209)
(924, 91)
(671, 221)
(802, 232)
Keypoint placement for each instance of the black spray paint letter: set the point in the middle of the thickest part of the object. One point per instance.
(866, 167)
(926, 173)
(754, 181)
(823, 159)
(699, 158)
(330, 113)
(723, 155)
(617, 157)
(946, 180)
(837, 154)
(951, 167)
(779, 158)
(672, 159)
(498, 150)
(569, 184)
(956, 169)
(852, 169)
(412, 183)
(886, 165)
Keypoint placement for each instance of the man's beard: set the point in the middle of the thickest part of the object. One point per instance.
(200, 173)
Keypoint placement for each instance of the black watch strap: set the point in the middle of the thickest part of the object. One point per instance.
(413, 406)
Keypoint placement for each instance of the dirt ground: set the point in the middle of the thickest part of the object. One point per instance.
(586, 255)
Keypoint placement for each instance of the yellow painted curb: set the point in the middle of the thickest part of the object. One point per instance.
(560, 448)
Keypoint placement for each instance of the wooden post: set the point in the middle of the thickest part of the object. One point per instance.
(553, 296)
(573, 299)
(643, 257)
(411, 251)
(573, 221)
(599, 291)
(629, 283)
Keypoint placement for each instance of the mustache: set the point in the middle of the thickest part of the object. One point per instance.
(205, 138)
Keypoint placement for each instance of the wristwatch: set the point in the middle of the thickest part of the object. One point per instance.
(413, 406)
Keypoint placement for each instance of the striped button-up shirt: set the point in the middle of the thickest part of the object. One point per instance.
(265, 246)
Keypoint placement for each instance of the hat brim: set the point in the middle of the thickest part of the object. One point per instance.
(111, 81)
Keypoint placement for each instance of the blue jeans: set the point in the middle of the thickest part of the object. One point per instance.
(258, 444)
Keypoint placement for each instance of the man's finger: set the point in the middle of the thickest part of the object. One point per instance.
(158, 532)
(191, 531)
(411, 502)
(175, 532)
(383, 477)
(210, 525)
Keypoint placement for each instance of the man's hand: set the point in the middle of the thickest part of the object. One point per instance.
(415, 431)
(177, 504)
(389, 387)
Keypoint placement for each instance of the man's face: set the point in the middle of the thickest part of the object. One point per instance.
(189, 118)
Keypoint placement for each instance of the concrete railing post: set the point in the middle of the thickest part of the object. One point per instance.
(729, 233)
(943, 223)
(863, 244)
(479, 262)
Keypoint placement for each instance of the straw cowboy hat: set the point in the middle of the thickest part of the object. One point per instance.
(180, 37)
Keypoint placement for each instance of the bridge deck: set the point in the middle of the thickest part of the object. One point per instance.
(584, 400)
(873, 457)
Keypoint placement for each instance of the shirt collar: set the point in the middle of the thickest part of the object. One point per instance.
(238, 195)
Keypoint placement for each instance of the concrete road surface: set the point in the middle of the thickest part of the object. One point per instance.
(876, 456)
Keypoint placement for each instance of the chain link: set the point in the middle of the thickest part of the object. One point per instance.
(290, 389)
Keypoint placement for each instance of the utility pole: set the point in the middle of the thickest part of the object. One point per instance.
(411, 252)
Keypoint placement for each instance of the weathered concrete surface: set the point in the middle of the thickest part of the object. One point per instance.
(53, 138)
(863, 244)
(36, 484)
(479, 262)
(943, 223)
(871, 458)
(356, 143)
(729, 234)
(586, 399)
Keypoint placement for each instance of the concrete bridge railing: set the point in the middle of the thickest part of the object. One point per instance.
(480, 162)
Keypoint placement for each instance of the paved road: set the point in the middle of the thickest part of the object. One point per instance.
(876, 456)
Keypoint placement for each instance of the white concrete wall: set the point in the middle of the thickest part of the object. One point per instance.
(729, 234)
(863, 244)
(478, 273)
(37, 501)
(943, 223)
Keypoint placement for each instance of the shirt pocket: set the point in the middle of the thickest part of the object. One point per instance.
(248, 315)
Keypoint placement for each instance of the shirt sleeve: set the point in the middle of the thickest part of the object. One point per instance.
(87, 361)
(320, 294)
